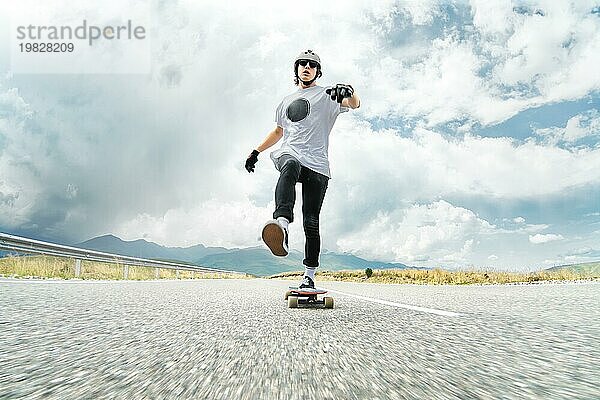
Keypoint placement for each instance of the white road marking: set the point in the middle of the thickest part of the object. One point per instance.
(400, 305)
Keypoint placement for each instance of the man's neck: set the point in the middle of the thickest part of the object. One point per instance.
(302, 86)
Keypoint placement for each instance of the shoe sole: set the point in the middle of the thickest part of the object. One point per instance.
(272, 235)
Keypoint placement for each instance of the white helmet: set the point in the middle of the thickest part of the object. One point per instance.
(310, 56)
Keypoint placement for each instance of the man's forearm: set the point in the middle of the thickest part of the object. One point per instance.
(272, 138)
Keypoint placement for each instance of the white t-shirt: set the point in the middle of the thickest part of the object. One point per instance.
(307, 117)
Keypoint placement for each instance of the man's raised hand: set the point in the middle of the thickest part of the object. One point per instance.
(340, 92)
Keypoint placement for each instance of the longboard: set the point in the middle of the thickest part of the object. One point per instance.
(307, 297)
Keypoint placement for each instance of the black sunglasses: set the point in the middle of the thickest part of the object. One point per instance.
(312, 64)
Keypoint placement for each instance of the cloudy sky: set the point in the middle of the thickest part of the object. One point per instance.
(477, 143)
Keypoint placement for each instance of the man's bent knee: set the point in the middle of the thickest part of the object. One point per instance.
(291, 164)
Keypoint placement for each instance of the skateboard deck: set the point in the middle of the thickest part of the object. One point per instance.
(307, 297)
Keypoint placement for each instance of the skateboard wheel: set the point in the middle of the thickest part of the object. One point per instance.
(328, 302)
(287, 294)
(292, 302)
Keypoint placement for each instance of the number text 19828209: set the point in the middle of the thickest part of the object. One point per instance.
(46, 47)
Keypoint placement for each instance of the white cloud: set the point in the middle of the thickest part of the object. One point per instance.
(549, 52)
(504, 63)
(493, 18)
(580, 126)
(23, 156)
(429, 165)
(493, 257)
(518, 225)
(539, 238)
(437, 231)
(531, 228)
(212, 223)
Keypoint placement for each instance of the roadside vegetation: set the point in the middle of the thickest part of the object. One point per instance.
(64, 268)
(58, 267)
(443, 277)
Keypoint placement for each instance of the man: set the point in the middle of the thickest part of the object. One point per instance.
(304, 121)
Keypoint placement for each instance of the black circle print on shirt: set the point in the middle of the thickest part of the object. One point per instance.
(298, 110)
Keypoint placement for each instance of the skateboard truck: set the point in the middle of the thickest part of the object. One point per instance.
(307, 297)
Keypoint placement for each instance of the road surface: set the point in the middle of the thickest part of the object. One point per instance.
(236, 339)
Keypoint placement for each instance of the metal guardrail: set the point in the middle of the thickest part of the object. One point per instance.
(30, 246)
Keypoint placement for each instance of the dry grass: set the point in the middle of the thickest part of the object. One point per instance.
(441, 277)
(58, 267)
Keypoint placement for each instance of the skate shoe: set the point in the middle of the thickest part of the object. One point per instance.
(307, 283)
(276, 238)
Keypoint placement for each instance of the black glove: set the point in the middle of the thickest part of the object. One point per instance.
(251, 160)
(339, 92)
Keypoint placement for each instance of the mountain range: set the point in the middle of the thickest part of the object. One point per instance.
(254, 260)
(590, 269)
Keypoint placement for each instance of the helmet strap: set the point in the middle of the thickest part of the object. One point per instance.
(307, 83)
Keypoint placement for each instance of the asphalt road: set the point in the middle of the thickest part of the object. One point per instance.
(236, 339)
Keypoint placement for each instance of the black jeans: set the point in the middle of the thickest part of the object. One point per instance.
(314, 186)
